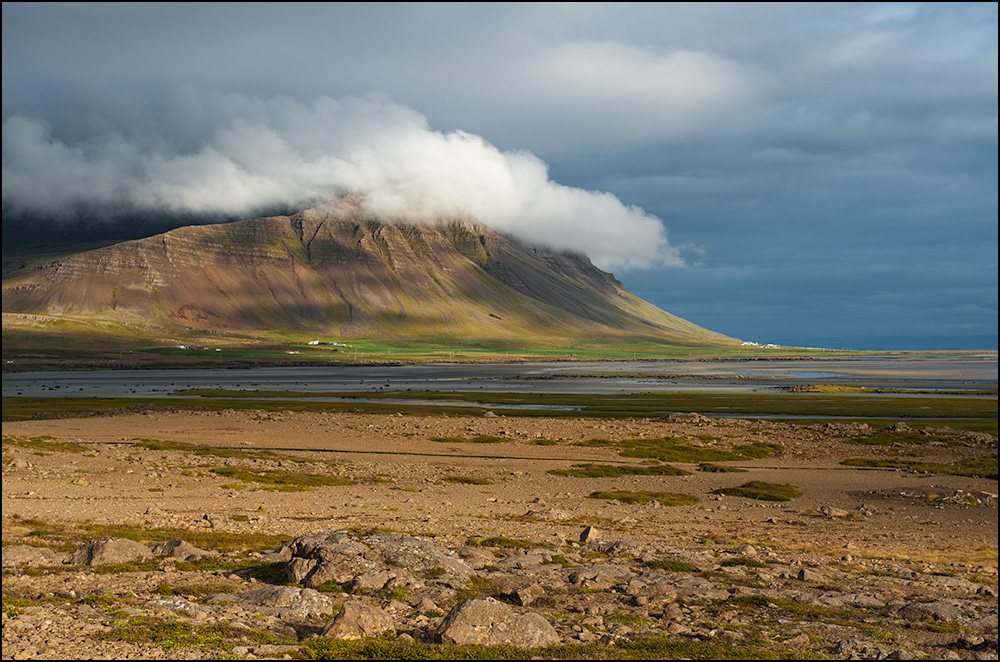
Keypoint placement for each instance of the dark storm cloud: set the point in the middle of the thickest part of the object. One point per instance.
(823, 167)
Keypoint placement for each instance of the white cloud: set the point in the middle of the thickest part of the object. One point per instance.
(237, 155)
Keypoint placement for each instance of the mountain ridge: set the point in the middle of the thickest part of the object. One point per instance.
(333, 270)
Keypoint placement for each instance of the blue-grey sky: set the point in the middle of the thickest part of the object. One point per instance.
(807, 174)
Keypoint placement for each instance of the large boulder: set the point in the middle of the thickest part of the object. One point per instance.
(286, 601)
(16, 555)
(489, 622)
(357, 620)
(110, 550)
(341, 557)
(180, 549)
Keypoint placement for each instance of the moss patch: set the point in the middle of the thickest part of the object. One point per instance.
(762, 491)
(615, 470)
(665, 498)
(467, 480)
(982, 467)
(283, 481)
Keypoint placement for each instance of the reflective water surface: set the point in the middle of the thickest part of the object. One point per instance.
(952, 373)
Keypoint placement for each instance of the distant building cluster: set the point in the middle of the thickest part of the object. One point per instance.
(750, 343)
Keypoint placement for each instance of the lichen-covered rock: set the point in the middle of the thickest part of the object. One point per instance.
(358, 619)
(110, 550)
(286, 601)
(489, 622)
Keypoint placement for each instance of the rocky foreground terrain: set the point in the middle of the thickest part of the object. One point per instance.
(255, 535)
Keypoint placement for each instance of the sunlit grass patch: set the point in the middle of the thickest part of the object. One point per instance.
(467, 480)
(615, 470)
(640, 647)
(205, 451)
(673, 449)
(42, 443)
(762, 491)
(709, 467)
(282, 481)
(640, 497)
(67, 537)
(173, 634)
(979, 467)
(478, 439)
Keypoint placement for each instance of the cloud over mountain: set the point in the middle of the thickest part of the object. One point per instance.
(236, 155)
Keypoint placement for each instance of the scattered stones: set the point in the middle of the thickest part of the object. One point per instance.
(661, 573)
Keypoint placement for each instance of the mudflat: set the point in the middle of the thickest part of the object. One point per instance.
(899, 556)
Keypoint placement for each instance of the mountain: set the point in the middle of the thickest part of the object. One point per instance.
(332, 270)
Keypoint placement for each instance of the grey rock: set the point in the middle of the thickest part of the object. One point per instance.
(280, 555)
(491, 623)
(832, 512)
(369, 582)
(358, 619)
(549, 513)
(286, 600)
(526, 595)
(599, 576)
(299, 568)
(855, 649)
(931, 611)
(173, 604)
(180, 549)
(214, 521)
(110, 550)
(476, 557)
(610, 547)
(27, 555)
(988, 624)
(862, 600)
(807, 575)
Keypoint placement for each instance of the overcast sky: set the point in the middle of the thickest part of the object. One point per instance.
(819, 175)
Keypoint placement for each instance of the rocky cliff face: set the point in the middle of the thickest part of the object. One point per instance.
(334, 271)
